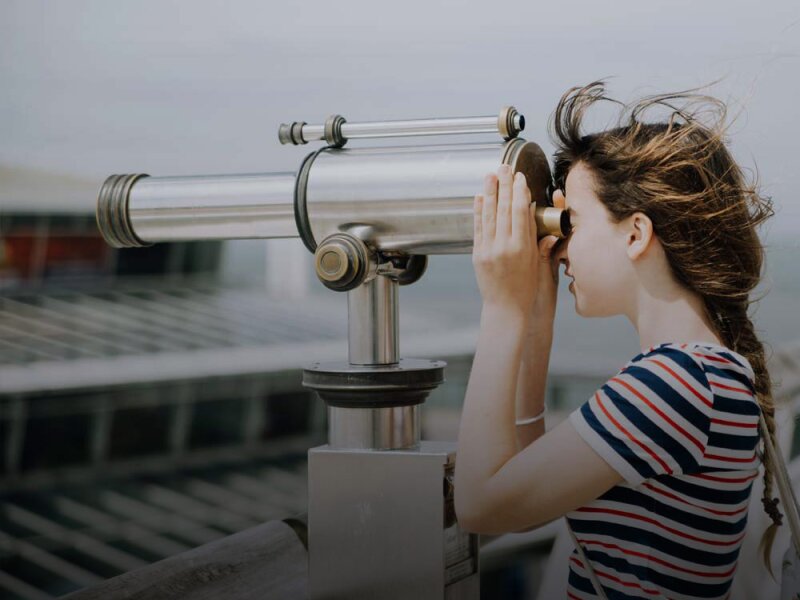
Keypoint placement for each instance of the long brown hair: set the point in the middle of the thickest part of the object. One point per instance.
(679, 173)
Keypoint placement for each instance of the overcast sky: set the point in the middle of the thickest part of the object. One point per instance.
(92, 88)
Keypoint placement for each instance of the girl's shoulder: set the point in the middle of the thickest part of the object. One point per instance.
(723, 372)
(703, 353)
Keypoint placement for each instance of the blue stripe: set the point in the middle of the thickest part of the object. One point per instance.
(707, 493)
(732, 441)
(643, 468)
(657, 508)
(678, 399)
(655, 434)
(668, 582)
(627, 533)
(735, 360)
(723, 404)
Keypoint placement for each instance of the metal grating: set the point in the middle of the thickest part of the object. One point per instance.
(127, 320)
(58, 541)
(141, 331)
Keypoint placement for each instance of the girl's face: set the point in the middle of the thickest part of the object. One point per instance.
(594, 253)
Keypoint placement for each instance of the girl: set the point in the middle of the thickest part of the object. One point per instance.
(654, 471)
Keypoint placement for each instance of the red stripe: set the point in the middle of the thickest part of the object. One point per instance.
(658, 459)
(728, 387)
(573, 596)
(620, 581)
(651, 558)
(685, 433)
(729, 459)
(716, 358)
(679, 499)
(724, 479)
(734, 423)
(621, 513)
(702, 398)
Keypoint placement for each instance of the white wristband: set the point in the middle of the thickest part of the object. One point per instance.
(535, 419)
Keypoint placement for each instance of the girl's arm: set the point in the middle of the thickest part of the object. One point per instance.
(532, 380)
(498, 490)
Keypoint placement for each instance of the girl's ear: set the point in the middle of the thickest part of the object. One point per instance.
(638, 230)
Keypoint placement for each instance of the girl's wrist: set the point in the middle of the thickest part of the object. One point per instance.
(509, 314)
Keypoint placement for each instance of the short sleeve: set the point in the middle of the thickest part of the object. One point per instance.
(652, 418)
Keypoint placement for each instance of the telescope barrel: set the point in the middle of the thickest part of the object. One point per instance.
(137, 210)
(407, 199)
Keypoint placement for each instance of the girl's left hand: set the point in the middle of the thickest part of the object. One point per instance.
(505, 251)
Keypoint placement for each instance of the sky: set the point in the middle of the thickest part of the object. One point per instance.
(91, 87)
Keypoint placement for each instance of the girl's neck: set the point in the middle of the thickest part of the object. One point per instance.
(678, 317)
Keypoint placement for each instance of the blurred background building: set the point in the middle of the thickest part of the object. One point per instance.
(150, 399)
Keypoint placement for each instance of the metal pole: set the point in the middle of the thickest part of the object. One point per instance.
(373, 340)
(372, 320)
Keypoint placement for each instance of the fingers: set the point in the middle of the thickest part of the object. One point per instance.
(522, 215)
(546, 245)
(504, 196)
(477, 221)
(546, 255)
(489, 212)
(558, 199)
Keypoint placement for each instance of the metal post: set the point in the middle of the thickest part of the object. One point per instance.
(372, 322)
(372, 340)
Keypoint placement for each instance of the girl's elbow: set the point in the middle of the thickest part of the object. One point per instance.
(472, 517)
(467, 513)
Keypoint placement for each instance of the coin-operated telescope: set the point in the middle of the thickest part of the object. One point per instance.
(380, 517)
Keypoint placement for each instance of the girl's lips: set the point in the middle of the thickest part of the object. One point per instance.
(571, 284)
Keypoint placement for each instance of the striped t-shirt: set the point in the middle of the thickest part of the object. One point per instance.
(679, 423)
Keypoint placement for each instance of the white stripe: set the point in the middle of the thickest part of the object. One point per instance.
(694, 505)
(722, 486)
(735, 394)
(733, 368)
(746, 432)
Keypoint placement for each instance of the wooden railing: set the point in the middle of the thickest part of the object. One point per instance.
(266, 562)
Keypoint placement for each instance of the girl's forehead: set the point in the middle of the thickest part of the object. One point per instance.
(579, 192)
(580, 179)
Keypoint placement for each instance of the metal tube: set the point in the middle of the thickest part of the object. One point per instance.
(336, 131)
(417, 199)
(390, 428)
(407, 128)
(372, 319)
(409, 199)
(136, 210)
